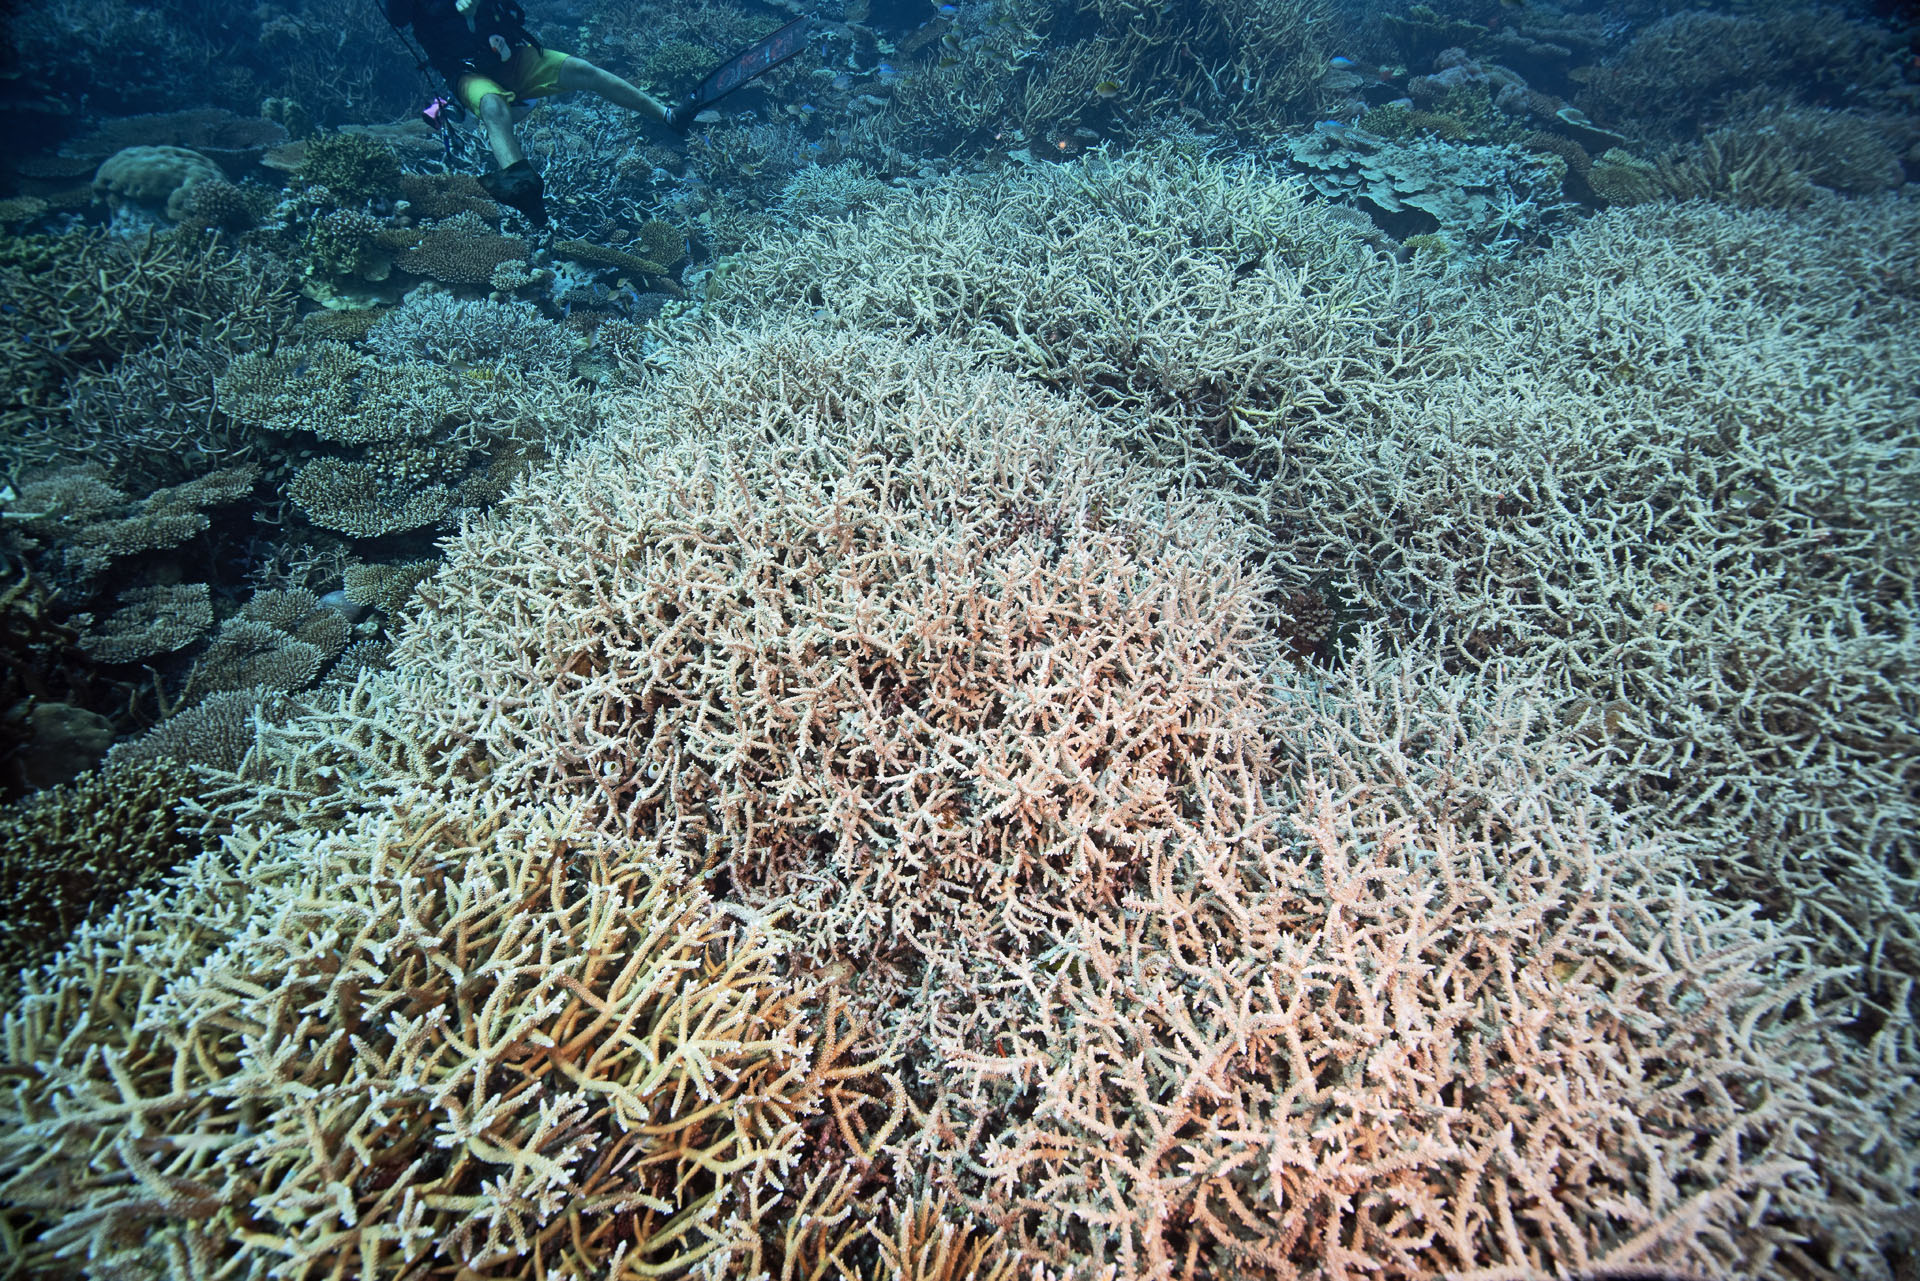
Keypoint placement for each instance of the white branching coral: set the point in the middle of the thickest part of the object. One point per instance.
(431, 1039)
(1208, 309)
(1440, 1015)
(863, 815)
(1197, 965)
(1678, 482)
(926, 657)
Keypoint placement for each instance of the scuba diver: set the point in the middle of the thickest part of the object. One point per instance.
(486, 53)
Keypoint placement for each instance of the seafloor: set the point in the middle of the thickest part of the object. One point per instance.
(1092, 639)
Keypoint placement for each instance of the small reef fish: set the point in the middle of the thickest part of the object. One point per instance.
(948, 10)
(1364, 70)
(1107, 89)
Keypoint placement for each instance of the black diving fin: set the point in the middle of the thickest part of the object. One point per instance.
(518, 186)
(761, 56)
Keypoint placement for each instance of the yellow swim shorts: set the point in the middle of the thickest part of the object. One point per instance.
(530, 73)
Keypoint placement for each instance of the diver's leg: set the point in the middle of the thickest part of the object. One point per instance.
(498, 119)
(577, 73)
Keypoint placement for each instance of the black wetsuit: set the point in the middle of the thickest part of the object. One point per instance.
(454, 47)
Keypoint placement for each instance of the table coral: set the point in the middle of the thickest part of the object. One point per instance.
(386, 587)
(81, 524)
(151, 621)
(363, 500)
(440, 329)
(461, 250)
(1622, 178)
(218, 134)
(217, 731)
(654, 252)
(338, 393)
(280, 641)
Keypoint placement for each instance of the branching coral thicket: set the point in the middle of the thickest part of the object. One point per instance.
(1192, 968)
(435, 1039)
(1205, 307)
(92, 302)
(928, 662)
(912, 796)
(71, 850)
(1026, 70)
(1431, 1014)
(1680, 482)
(1687, 69)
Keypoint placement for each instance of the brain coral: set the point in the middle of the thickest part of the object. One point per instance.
(159, 177)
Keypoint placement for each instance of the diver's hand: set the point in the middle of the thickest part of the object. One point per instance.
(464, 6)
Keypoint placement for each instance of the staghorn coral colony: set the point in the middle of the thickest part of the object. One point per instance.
(1083, 640)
